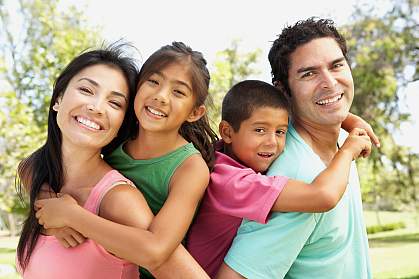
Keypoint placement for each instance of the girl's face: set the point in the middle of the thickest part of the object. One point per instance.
(92, 108)
(166, 100)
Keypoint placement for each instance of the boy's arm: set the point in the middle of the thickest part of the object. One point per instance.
(353, 121)
(328, 187)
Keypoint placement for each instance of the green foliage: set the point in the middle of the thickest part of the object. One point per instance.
(383, 50)
(385, 227)
(38, 39)
(231, 67)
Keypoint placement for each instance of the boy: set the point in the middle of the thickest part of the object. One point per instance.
(253, 128)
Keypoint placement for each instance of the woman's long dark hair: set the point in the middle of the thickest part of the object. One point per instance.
(45, 166)
(198, 132)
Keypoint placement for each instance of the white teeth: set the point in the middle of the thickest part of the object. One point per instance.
(331, 100)
(88, 123)
(156, 112)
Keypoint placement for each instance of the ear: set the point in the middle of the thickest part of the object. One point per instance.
(226, 131)
(196, 113)
(56, 106)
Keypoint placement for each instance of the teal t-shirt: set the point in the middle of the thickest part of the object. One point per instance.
(305, 245)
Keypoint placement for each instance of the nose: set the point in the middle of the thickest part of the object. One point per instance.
(270, 139)
(162, 95)
(328, 80)
(96, 106)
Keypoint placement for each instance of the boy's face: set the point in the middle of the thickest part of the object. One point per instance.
(260, 139)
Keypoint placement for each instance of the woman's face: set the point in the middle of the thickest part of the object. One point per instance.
(92, 108)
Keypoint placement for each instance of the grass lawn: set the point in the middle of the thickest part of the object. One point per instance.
(394, 254)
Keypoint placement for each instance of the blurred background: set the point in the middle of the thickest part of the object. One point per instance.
(38, 38)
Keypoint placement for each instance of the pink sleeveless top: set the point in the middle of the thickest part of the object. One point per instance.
(88, 260)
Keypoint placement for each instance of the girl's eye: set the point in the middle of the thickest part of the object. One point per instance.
(153, 81)
(178, 92)
(86, 90)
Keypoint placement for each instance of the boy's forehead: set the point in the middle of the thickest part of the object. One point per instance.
(269, 114)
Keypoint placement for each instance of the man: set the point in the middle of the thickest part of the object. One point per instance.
(310, 61)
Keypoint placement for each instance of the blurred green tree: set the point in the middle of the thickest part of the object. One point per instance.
(37, 39)
(383, 51)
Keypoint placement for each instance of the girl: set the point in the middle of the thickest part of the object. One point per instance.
(88, 105)
(168, 160)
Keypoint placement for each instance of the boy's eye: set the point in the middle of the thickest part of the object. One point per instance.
(281, 132)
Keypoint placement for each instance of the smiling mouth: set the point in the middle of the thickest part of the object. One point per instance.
(87, 123)
(330, 101)
(155, 112)
(266, 154)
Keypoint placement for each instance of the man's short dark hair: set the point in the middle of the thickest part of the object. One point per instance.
(294, 36)
(246, 96)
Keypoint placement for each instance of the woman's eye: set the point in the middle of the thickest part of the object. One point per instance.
(259, 130)
(337, 65)
(116, 104)
(86, 90)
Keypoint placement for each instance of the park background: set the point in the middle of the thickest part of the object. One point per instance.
(37, 38)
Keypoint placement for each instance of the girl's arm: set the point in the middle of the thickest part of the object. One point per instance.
(146, 248)
(353, 121)
(328, 187)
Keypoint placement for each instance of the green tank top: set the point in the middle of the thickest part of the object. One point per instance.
(152, 177)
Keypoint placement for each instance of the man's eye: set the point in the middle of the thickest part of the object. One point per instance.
(337, 65)
(307, 74)
(281, 132)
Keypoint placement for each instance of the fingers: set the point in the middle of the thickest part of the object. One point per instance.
(39, 204)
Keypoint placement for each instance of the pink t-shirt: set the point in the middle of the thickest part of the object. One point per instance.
(50, 260)
(235, 192)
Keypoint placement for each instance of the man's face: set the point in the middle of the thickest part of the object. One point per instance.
(321, 83)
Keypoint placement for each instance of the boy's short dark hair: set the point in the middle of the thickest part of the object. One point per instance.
(294, 36)
(246, 96)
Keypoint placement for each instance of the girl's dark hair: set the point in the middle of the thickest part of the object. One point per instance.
(45, 166)
(297, 35)
(198, 132)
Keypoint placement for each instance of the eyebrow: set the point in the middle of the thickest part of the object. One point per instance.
(115, 93)
(311, 68)
(176, 81)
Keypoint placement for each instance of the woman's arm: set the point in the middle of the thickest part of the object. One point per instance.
(146, 248)
(328, 187)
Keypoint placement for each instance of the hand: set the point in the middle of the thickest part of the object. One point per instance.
(353, 121)
(67, 236)
(358, 143)
(53, 213)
